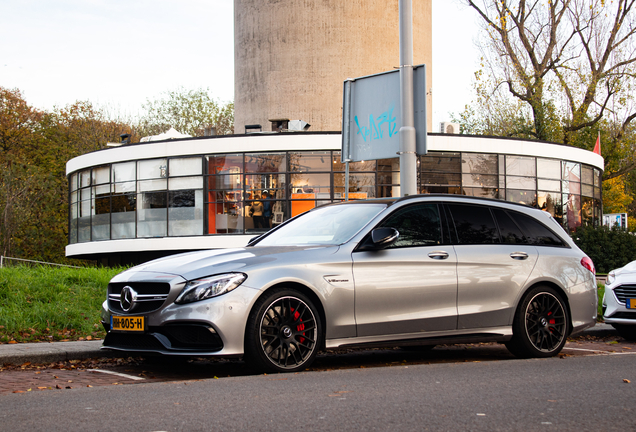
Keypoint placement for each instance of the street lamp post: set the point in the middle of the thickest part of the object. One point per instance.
(408, 156)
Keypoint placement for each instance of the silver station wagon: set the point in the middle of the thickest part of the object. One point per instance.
(415, 271)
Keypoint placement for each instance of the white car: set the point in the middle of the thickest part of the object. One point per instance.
(619, 301)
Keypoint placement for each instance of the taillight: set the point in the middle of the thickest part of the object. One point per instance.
(588, 264)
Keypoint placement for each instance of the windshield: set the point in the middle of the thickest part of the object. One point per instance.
(326, 225)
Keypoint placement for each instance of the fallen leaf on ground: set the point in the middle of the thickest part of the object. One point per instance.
(626, 381)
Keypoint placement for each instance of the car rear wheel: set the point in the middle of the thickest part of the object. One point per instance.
(283, 332)
(627, 332)
(540, 325)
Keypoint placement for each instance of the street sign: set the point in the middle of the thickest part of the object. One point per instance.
(615, 219)
(372, 115)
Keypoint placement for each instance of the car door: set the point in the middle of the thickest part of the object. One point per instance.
(494, 260)
(410, 286)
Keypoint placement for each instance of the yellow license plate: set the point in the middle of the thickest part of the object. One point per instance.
(631, 303)
(128, 323)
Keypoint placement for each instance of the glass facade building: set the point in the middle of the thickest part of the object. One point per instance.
(244, 193)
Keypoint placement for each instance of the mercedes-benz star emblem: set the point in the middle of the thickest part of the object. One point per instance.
(127, 298)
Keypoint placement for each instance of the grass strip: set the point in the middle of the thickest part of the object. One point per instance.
(52, 303)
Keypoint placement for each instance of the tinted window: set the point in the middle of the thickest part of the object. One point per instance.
(535, 232)
(510, 232)
(474, 224)
(418, 225)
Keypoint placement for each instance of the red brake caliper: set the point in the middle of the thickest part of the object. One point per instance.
(551, 321)
(300, 327)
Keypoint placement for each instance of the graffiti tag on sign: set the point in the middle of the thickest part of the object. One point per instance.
(376, 128)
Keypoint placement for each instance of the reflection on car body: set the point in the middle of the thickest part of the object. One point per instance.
(420, 270)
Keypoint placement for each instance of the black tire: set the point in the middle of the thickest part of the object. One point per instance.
(627, 332)
(283, 333)
(541, 324)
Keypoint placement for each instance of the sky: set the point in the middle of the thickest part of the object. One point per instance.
(117, 54)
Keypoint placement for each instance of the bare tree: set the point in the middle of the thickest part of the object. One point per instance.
(525, 42)
(567, 60)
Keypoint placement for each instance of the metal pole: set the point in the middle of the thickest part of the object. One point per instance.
(408, 157)
(347, 180)
(346, 141)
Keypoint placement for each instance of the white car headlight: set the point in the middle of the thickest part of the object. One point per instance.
(210, 286)
(611, 277)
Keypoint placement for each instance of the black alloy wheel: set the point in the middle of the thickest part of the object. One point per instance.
(283, 333)
(541, 325)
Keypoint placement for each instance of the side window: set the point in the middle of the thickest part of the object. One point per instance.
(536, 233)
(418, 225)
(510, 232)
(474, 224)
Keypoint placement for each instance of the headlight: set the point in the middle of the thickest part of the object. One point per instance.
(611, 277)
(210, 286)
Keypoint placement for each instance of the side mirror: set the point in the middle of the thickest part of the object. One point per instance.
(380, 238)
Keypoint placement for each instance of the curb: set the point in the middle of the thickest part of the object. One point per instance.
(52, 352)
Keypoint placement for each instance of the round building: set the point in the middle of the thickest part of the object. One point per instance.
(141, 201)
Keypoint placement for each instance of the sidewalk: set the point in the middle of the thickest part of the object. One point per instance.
(62, 351)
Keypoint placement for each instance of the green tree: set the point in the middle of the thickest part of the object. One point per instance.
(19, 126)
(609, 248)
(188, 111)
(34, 149)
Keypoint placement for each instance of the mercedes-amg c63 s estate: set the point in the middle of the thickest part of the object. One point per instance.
(420, 270)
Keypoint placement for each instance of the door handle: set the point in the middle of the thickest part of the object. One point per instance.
(519, 255)
(439, 255)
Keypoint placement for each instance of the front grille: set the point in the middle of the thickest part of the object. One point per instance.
(132, 341)
(151, 296)
(176, 337)
(624, 292)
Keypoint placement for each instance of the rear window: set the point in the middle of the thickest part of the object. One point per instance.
(510, 232)
(536, 233)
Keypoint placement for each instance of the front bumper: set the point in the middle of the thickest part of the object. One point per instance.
(176, 338)
(615, 310)
(212, 327)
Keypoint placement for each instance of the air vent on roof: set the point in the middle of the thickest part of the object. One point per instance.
(449, 128)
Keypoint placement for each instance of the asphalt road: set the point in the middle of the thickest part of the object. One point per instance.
(577, 393)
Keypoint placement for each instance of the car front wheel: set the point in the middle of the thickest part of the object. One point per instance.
(283, 332)
(541, 324)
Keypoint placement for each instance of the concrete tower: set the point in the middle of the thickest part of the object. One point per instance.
(292, 56)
